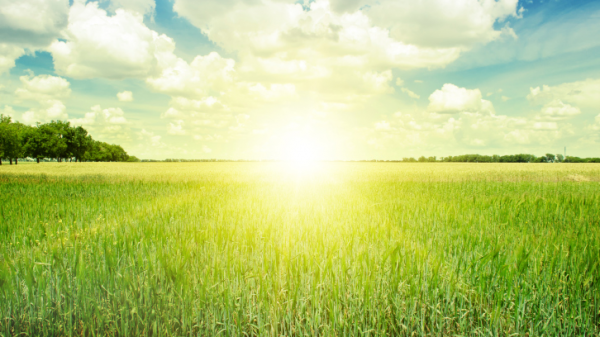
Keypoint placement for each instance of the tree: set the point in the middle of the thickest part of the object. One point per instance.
(55, 145)
(61, 133)
(560, 158)
(551, 158)
(9, 138)
(79, 142)
(34, 146)
(4, 121)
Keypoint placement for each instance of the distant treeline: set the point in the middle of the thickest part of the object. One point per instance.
(56, 140)
(465, 158)
(511, 158)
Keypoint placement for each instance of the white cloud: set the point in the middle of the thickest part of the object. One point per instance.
(581, 93)
(437, 23)
(379, 82)
(48, 92)
(28, 25)
(208, 137)
(139, 6)
(205, 73)
(117, 47)
(452, 99)
(49, 110)
(518, 137)
(557, 110)
(32, 23)
(410, 93)
(7, 111)
(270, 27)
(545, 125)
(596, 125)
(108, 125)
(473, 124)
(43, 87)
(176, 128)
(382, 125)
(125, 96)
(182, 107)
(8, 54)
(275, 91)
(385, 33)
(149, 138)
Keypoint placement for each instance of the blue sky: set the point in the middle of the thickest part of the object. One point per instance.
(336, 79)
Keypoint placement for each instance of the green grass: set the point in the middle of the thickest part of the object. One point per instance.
(236, 249)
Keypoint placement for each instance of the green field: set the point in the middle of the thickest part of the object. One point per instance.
(333, 249)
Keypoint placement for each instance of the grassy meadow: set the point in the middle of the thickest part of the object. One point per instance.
(331, 249)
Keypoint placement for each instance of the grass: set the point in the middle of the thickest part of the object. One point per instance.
(338, 249)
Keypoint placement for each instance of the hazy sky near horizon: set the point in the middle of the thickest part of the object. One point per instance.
(338, 79)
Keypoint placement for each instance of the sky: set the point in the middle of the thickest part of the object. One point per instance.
(318, 79)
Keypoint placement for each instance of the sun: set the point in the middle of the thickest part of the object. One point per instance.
(301, 149)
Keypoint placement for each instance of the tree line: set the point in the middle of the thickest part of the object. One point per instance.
(55, 140)
(511, 158)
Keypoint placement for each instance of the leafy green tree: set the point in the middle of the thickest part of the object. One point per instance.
(45, 141)
(9, 139)
(62, 138)
(551, 158)
(34, 146)
(560, 158)
(78, 142)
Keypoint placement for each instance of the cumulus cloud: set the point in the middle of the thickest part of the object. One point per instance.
(7, 111)
(28, 25)
(451, 99)
(581, 93)
(32, 23)
(150, 138)
(274, 92)
(48, 92)
(557, 110)
(108, 124)
(459, 118)
(176, 128)
(442, 23)
(43, 87)
(410, 93)
(464, 130)
(8, 54)
(139, 6)
(545, 126)
(402, 34)
(268, 28)
(596, 125)
(99, 45)
(196, 79)
(379, 82)
(48, 110)
(342, 52)
(125, 96)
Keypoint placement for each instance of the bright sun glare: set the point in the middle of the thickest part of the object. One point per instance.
(301, 150)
